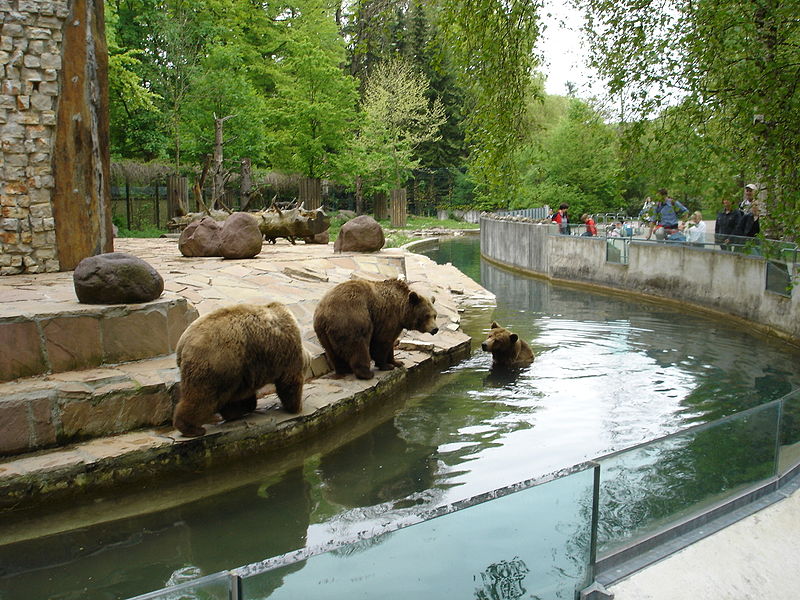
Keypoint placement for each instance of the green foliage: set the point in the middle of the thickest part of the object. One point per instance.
(312, 114)
(147, 232)
(572, 160)
(733, 66)
(398, 117)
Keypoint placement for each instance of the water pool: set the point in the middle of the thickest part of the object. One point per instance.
(610, 372)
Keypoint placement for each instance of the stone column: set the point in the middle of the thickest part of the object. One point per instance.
(54, 194)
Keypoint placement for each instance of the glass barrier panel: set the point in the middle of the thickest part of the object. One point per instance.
(533, 543)
(644, 489)
(778, 279)
(617, 250)
(789, 450)
(210, 587)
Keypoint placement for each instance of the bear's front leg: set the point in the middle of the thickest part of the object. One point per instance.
(188, 420)
(383, 354)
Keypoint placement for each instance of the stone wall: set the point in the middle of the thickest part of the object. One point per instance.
(724, 282)
(34, 99)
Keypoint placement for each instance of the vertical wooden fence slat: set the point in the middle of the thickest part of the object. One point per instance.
(398, 207)
(128, 207)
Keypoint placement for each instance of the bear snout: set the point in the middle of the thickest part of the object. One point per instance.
(434, 331)
(485, 347)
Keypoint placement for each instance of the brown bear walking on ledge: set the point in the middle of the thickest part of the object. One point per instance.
(226, 355)
(506, 348)
(358, 320)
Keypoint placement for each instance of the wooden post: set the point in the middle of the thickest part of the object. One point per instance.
(310, 192)
(381, 212)
(399, 207)
(246, 184)
(158, 208)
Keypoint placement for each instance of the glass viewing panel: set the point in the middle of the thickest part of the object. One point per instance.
(211, 587)
(789, 450)
(648, 487)
(617, 250)
(533, 543)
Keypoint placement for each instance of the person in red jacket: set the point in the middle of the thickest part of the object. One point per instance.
(591, 228)
(562, 219)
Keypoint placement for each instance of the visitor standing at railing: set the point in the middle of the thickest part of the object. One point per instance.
(749, 197)
(591, 228)
(726, 224)
(562, 219)
(667, 212)
(695, 230)
(749, 225)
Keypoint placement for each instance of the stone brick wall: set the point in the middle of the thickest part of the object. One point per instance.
(30, 61)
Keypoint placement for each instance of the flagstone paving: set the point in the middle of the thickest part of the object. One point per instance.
(107, 374)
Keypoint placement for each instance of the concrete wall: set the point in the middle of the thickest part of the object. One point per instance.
(720, 281)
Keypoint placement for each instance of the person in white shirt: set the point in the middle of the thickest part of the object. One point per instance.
(695, 230)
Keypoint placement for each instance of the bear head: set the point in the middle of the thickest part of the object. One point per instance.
(420, 314)
(501, 341)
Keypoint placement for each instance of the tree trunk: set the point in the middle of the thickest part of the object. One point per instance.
(310, 193)
(381, 212)
(246, 184)
(359, 196)
(218, 179)
(398, 207)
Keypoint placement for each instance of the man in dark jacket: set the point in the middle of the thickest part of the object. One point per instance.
(726, 224)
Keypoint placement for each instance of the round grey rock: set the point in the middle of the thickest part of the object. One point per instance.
(362, 234)
(201, 238)
(116, 278)
(241, 237)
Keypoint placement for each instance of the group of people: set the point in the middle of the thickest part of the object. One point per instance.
(665, 221)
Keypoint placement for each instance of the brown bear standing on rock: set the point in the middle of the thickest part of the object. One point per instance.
(226, 355)
(506, 348)
(358, 320)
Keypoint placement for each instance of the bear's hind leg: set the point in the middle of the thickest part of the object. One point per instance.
(290, 392)
(359, 361)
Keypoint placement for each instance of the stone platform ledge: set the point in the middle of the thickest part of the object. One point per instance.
(109, 462)
(54, 337)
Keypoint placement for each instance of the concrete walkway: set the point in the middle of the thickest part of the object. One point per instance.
(753, 559)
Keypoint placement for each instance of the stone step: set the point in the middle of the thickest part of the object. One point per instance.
(61, 408)
(54, 337)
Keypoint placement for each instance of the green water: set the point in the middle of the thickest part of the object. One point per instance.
(609, 373)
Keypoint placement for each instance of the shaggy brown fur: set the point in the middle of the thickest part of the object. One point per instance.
(226, 355)
(506, 348)
(358, 320)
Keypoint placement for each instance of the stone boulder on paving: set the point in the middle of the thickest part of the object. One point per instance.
(362, 234)
(116, 278)
(201, 238)
(241, 236)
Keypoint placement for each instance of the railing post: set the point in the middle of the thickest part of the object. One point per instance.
(235, 587)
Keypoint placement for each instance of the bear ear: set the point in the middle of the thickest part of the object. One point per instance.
(514, 338)
(413, 298)
(494, 325)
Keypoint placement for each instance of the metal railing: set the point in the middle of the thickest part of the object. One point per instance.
(549, 537)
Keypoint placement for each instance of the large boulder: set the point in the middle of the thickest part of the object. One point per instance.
(201, 238)
(362, 234)
(116, 278)
(241, 236)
